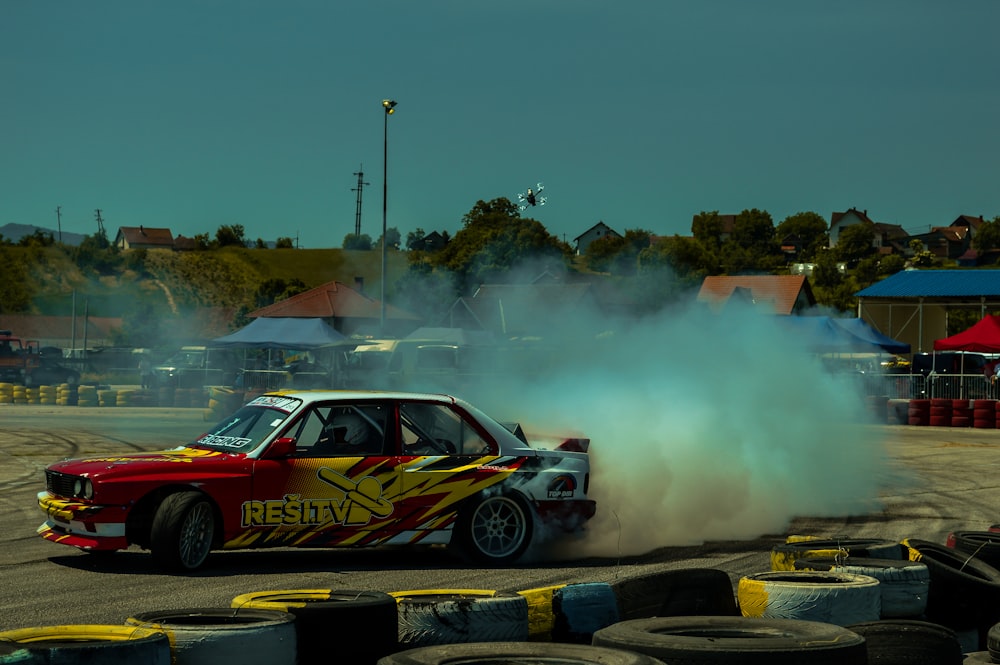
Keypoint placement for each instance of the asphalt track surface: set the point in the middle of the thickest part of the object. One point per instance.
(956, 472)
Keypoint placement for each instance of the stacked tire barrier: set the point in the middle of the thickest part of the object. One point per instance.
(984, 413)
(940, 414)
(919, 412)
(961, 413)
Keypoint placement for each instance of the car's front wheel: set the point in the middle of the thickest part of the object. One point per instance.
(495, 530)
(182, 531)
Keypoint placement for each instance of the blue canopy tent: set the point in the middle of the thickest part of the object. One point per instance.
(824, 334)
(287, 333)
(320, 367)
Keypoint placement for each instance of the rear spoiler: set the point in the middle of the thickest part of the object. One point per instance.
(568, 444)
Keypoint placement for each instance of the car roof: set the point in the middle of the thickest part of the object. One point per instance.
(349, 395)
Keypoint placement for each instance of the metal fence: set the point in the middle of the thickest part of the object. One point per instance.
(918, 386)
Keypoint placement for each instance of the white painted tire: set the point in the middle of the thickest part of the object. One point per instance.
(904, 584)
(837, 598)
(212, 636)
(85, 644)
(460, 616)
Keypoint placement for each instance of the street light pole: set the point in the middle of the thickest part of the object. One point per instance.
(388, 105)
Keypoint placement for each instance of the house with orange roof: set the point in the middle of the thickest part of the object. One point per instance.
(349, 311)
(142, 237)
(784, 294)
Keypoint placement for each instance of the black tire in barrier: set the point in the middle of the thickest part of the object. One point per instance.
(830, 597)
(984, 545)
(334, 616)
(457, 616)
(902, 642)
(964, 591)
(680, 592)
(513, 653)
(739, 640)
(209, 636)
(783, 556)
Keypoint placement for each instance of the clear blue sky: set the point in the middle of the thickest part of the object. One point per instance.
(192, 114)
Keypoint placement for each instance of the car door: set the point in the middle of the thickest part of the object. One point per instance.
(444, 459)
(338, 485)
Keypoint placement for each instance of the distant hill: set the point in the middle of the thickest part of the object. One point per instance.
(14, 232)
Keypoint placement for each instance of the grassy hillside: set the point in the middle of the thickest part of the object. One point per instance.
(177, 281)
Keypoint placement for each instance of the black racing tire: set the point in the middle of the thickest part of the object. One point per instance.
(512, 653)
(741, 640)
(993, 641)
(208, 636)
(460, 616)
(984, 545)
(334, 616)
(86, 643)
(910, 642)
(681, 592)
(783, 556)
(183, 530)
(964, 591)
(495, 529)
(837, 598)
(903, 584)
(581, 609)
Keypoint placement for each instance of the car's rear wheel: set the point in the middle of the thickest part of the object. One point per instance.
(496, 530)
(182, 531)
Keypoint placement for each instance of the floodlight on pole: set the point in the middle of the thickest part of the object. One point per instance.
(389, 106)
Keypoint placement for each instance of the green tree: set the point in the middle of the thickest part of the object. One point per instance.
(987, 236)
(891, 264)
(493, 240)
(230, 235)
(413, 237)
(811, 230)
(922, 257)
(361, 242)
(283, 243)
(707, 230)
(275, 289)
(826, 273)
(16, 288)
(684, 256)
(394, 236)
(855, 243)
(866, 272)
(618, 255)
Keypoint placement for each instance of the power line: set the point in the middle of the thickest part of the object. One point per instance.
(358, 189)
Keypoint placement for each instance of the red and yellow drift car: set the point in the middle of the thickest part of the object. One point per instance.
(326, 469)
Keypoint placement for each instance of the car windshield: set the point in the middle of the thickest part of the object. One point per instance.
(246, 429)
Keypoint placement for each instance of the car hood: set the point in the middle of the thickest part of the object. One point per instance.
(178, 460)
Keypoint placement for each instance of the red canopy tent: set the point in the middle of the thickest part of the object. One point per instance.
(984, 337)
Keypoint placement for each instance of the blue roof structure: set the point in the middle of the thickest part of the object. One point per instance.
(936, 284)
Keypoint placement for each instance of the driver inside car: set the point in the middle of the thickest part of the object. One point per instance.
(345, 434)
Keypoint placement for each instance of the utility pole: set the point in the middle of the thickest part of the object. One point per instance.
(59, 222)
(100, 222)
(358, 189)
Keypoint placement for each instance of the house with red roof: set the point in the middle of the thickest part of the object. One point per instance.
(784, 294)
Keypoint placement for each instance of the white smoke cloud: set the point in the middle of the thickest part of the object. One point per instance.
(703, 426)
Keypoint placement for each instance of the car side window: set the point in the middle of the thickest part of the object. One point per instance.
(334, 430)
(435, 429)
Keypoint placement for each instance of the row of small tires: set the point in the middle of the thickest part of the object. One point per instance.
(943, 412)
(66, 395)
(811, 607)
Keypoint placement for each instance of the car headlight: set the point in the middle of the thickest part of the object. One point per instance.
(83, 488)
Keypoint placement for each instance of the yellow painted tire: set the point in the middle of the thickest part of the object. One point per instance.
(91, 643)
(541, 619)
(837, 598)
(783, 556)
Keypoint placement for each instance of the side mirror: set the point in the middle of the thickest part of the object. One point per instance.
(280, 448)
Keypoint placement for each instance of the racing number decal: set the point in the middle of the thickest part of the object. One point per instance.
(361, 501)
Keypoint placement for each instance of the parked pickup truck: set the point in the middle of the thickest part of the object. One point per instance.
(23, 362)
(196, 366)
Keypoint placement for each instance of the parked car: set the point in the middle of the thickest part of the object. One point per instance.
(327, 469)
(197, 366)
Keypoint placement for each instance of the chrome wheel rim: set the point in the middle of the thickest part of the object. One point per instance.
(196, 535)
(499, 527)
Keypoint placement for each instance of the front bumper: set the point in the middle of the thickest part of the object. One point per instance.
(89, 527)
